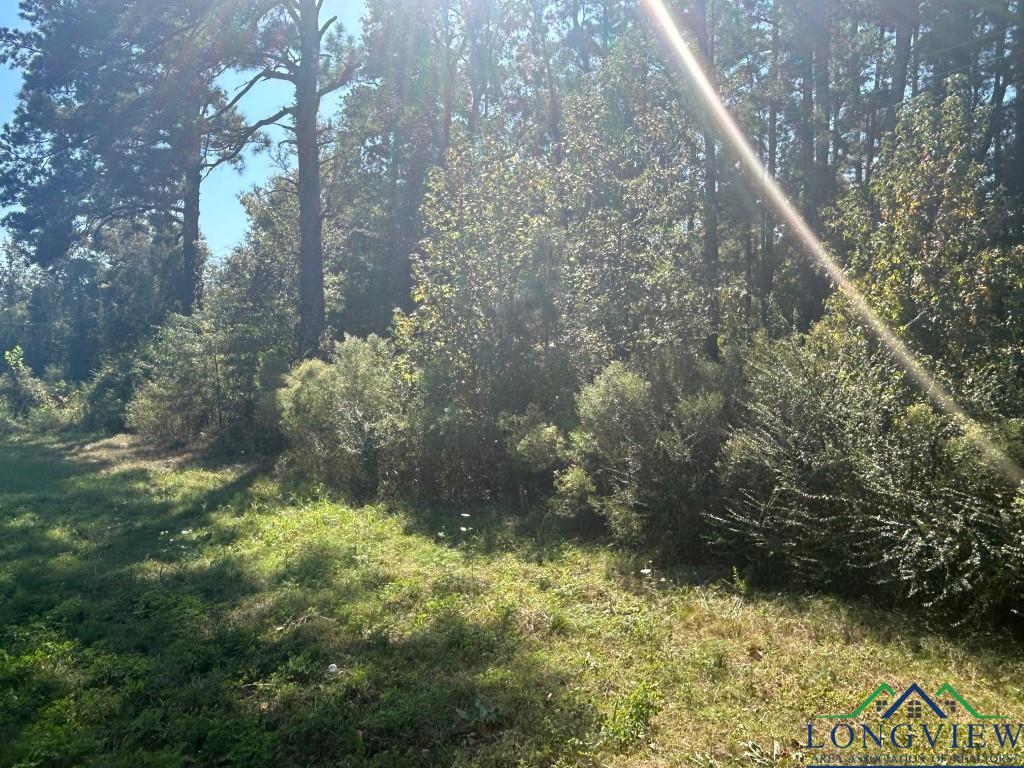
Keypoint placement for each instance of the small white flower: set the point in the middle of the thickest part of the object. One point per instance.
(464, 514)
(333, 669)
(463, 528)
(645, 571)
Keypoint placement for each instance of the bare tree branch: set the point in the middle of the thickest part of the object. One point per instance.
(266, 74)
(293, 10)
(327, 25)
(236, 148)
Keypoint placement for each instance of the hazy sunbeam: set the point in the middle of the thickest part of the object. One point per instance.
(773, 193)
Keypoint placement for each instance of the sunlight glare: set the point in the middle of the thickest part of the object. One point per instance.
(784, 208)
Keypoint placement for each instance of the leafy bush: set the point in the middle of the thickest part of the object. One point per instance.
(840, 477)
(461, 452)
(62, 411)
(535, 449)
(923, 244)
(574, 491)
(22, 390)
(8, 423)
(202, 383)
(643, 453)
(182, 397)
(618, 427)
(107, 394)
(483, 333)
(344, 421)
(39, 405)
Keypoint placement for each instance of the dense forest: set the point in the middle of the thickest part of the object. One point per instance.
(516, 264)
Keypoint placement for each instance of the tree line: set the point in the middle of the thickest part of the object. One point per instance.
(519, 263)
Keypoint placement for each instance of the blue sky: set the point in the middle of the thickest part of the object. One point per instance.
(223, 220)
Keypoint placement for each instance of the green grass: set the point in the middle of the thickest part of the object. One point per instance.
(159, 613)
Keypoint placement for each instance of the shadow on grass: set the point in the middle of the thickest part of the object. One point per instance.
(134, 633)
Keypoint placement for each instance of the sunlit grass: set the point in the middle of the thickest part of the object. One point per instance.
(174, 613)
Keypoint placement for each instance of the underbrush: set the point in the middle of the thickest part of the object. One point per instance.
(27, 402)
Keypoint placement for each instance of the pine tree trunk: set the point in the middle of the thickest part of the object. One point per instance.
(767, 271)
(448, 77)
(994, 129)
(872, 127)
(822, 104)
(311, 254)
(190, 288)
(814, 146)
(806, 130)
(906, 23)
(710, 207)
(1016, 175)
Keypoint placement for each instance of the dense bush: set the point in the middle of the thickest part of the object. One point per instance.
(616, 445)
(484, 336)
(345, 421)
(840, 474)
(33, 402)
(202, 383)
(107, 394)
(643, 454)
(182, 398)
(536, 449)
(843, 478)
(22, 390)
(516, 310)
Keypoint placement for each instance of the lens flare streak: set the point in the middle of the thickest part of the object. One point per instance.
(773, 193)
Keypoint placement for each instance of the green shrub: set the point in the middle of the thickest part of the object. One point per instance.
(841, 477)
(643, 452)
(461, 452)
(22, 390)
(202, 383)
(62, 411)
(8, 423)
(574, 491)
(617, 417)
(485, 332)
(107, 394)
(344, 421)
(618, 428)
(39, 405)
(535, 450)
(182, 398)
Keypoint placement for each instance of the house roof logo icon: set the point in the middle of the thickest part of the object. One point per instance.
(884, 703)
(913, 690)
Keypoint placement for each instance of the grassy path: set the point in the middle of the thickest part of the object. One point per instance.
(166, 613)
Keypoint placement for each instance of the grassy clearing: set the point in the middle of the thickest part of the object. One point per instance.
(171, 613)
